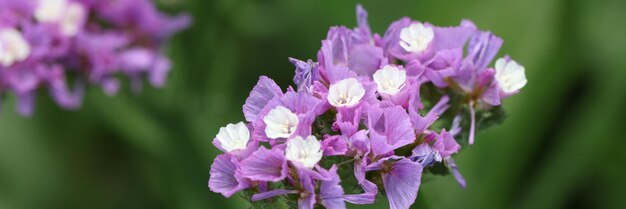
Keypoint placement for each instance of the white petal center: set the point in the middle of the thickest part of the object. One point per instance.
(13, 46)
(234, 137)
(73, 19)
(50, 10)
(510, 75)
(345, 93)
(416, 37)
(307, 151)
(69, 15)
(390, 79)
(281, 123)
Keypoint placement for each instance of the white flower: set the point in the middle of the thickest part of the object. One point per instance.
(233, 137)
(50, 10)
(73, 19)
(390, 79)
(510, 76)
(69, 15)
(345, 93)
(281, 123)
(13, 46)
(307, 151)
(416, 37)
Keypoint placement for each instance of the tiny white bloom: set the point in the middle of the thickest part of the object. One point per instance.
(50, 10)
(307, 152)
(281, 123)
(73, 19)
(390, 79)
(69, 15)
(345, 93)
(416, 37)
(13, 46)
(233, 137)
(510, 75)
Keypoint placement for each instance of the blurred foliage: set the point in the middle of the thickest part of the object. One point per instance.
(560, 146)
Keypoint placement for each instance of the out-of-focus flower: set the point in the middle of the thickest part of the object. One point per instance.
(13, 47)
(94, 40)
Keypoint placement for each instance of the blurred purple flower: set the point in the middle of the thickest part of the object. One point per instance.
(42, 42)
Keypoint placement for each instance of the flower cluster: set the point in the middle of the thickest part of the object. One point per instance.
(45, 43)
(371, 116)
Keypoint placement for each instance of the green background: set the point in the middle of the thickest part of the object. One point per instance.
(562, 145)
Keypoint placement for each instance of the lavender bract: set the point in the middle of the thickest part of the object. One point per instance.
(373, 113)
(44, 41)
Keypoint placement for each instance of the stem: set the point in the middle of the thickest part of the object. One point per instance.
(473, 122)
(345, 162)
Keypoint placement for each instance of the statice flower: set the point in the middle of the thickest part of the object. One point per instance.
(369, 118)
(44, 42)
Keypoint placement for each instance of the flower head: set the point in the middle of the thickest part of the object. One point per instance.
(352, 106)
(224, 176)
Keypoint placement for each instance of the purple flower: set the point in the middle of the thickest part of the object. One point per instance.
(401, 178)
(265, 165)
(224, 176)
(438, 50)
(41, 42)
(425, 155)
(353, 106)
(307, 197)
(488, 85)
(288, 115)
(306, 74)
(348, 120)
(421, 123)
(445, 144)
(370, 189)
(390, 128)
(334, 145)
(331, 192)
(481, 50)
(142, 16)
(354, 49)
(264, 91)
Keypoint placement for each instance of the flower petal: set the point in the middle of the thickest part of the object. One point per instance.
(331, 192)
(223, 177)
(264, 91)
(265, 165)
(390, 128)
(402, 183)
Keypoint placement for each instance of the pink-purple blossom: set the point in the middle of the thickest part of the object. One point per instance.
(372, 113)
